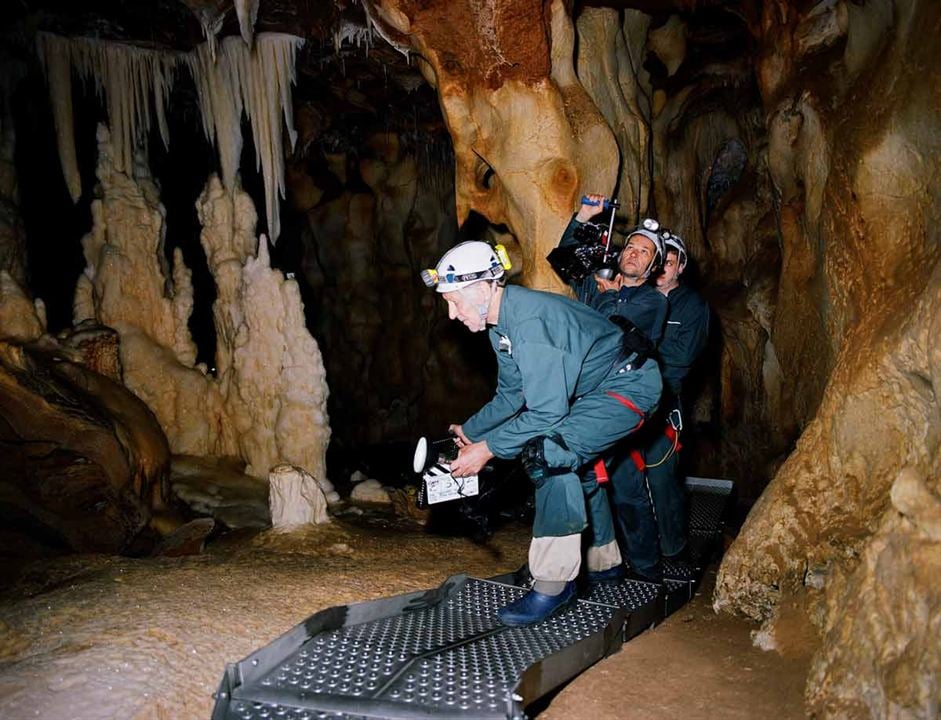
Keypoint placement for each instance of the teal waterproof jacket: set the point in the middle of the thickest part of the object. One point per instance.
(644, 305)
(550, 350)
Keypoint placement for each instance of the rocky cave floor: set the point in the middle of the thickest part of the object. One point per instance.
(114, 637)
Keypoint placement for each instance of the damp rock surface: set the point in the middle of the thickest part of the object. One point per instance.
(94, 637)
(697, 665)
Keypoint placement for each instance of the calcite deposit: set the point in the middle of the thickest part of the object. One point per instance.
(295, 499)
(856, 334)
(795, 146)
(527, 138)
(267, 401)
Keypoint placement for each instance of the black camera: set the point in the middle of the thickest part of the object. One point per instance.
(591, 256)
(593, 253)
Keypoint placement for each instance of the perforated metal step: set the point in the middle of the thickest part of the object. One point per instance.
(707, 500)
(435, 654)
(441, 653)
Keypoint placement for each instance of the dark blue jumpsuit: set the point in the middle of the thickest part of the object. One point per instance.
(684, 339)
(646, 307)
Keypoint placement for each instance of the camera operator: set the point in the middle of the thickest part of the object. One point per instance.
(563, 397)
(628, 294)
(627, 297)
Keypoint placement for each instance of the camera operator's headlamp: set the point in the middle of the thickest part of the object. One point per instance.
(650, 229)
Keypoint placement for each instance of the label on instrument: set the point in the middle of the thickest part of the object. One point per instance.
(440, 486)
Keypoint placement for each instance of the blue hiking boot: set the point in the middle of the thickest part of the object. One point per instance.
(611, 576)
(535, 607)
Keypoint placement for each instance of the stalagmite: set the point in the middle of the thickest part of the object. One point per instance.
(123, 252)
(267, 403)
(123, 286)
(281, 403)
(295, 498)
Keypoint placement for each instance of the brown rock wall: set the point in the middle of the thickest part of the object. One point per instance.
(851, 96)
(395, 363)
(527, 138)
(817, 239)
(82, 460)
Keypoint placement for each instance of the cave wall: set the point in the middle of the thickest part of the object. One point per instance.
(82, 460)
(375, 216)
(12, 232)
(710, 184)
(528, 140)
(853, 156)
(794, 145)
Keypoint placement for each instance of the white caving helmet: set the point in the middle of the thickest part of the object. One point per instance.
(650, 229)
(465, 264)
(675, 242)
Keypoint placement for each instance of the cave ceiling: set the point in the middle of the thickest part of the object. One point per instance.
(363, 86)
(349, 91)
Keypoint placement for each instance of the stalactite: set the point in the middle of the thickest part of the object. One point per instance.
(54, 54)
(211, 25)
(247, 11)
(259, 83)
(135, 85)
(355, 34)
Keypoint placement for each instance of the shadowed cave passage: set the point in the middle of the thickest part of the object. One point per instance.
(176, 392)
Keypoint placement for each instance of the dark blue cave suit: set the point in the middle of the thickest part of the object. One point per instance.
(646, 308)
(685, 337)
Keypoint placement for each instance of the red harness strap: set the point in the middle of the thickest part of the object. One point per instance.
(600, 471)
(638, 460)
(627, 402)
(672, 436)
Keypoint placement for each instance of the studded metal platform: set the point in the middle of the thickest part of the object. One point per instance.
(439, 653)
(707, 502)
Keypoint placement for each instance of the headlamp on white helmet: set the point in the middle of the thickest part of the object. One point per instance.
(465, 264)
(675, 243)
(650, 229)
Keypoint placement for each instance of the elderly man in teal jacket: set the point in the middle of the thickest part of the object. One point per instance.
(566, 392)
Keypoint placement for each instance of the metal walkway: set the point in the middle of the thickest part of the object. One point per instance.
(442, 654)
